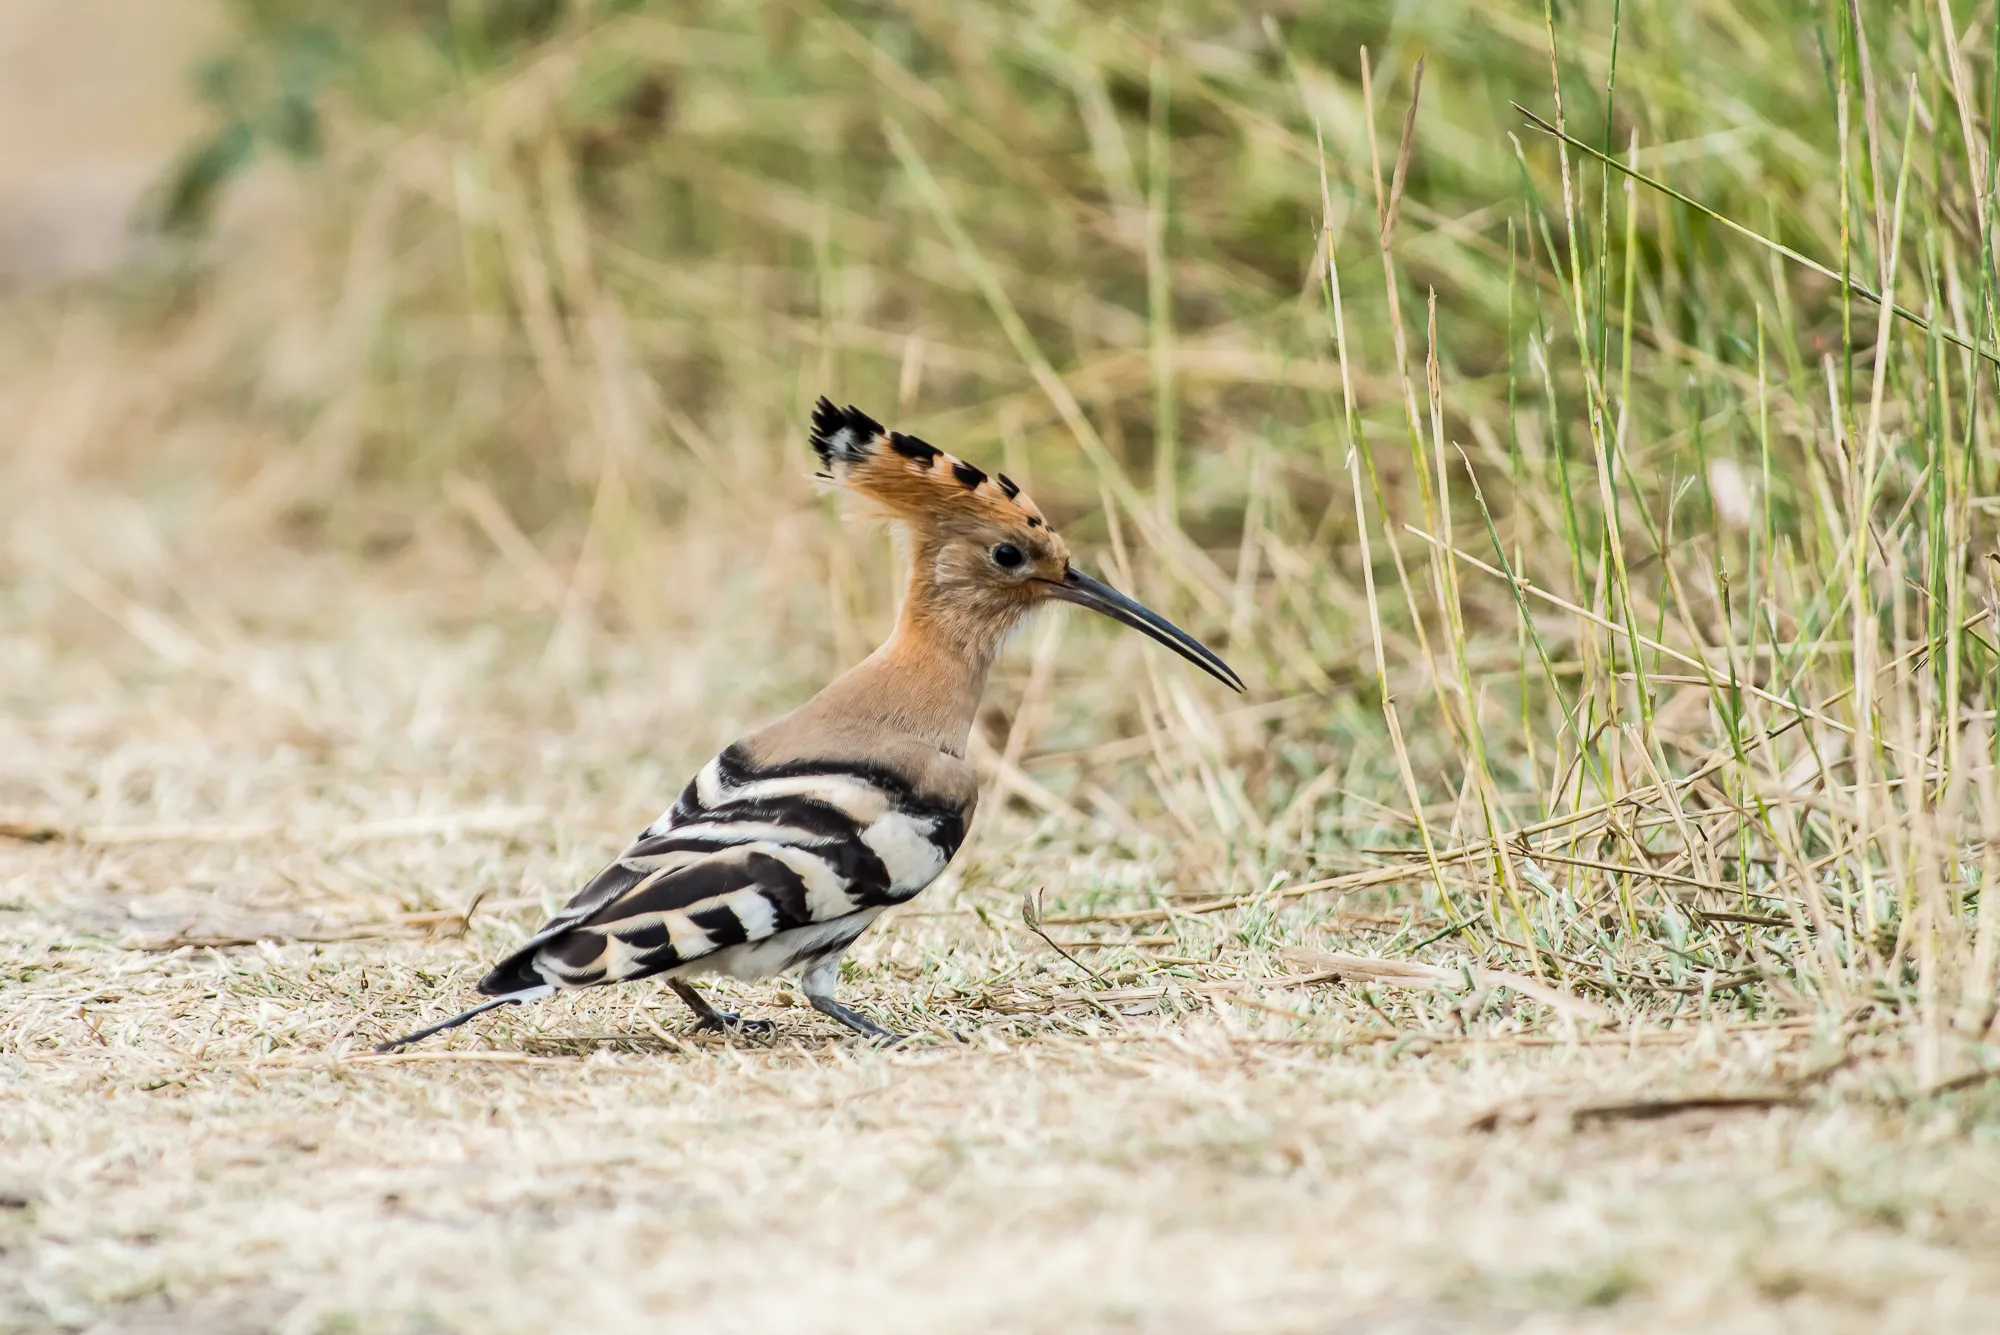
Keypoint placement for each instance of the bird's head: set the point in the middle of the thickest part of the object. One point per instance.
(982, 555)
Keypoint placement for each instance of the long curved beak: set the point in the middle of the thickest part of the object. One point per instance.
(1079, 588)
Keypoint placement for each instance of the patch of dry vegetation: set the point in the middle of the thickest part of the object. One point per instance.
(1577, 928)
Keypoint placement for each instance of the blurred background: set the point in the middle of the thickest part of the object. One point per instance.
(1565, 526)
(96, 105)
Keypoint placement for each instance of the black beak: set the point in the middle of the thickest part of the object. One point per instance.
(1079, 588)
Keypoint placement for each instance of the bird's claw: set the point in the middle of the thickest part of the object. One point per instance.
(890, 1039)
(723, 1022)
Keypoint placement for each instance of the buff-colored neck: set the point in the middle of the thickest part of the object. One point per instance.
(925, 680)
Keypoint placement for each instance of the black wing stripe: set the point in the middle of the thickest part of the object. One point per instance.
(696, 840)
(723, 924)
(576, 951)
(811, 819)
(677, 891)
(686, 807)
(721, 785)
(948, 834)
(785, 891)
(857, 864)
(734, 768)
(651, 936)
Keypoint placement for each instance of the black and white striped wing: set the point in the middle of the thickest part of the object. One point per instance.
(746, 854)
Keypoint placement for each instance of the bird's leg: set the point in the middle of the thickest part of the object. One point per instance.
(708, 1017)
(817, 983)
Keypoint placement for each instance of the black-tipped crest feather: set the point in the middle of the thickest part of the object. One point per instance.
(910, 447)
(842, 435)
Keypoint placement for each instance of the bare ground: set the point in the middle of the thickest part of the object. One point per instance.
(270, 795)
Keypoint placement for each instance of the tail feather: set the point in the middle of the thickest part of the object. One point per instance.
(511, 999)
(516, 974)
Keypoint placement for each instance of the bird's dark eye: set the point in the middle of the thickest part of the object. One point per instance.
(1007, 556)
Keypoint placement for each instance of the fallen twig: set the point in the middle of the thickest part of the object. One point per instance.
(1410, 972)
(1636, 1110)
(1643, 1110)
(1031, 918)
(322, 1061)
(1013, 1000)
(231, 940)
(430, 920)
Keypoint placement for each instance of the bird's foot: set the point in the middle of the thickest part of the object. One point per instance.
(722, 1022)
(728, 1022)
(855, 1020)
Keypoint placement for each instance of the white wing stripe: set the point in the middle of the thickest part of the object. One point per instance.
(746, 832)
(708, 785)
(904, 845)
(754, 911)
(857, 799)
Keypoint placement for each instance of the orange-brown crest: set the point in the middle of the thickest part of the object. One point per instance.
(912, 479)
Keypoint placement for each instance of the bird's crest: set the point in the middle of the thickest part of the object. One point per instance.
(911, 478)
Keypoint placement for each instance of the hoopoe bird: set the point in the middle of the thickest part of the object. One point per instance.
(786, 846)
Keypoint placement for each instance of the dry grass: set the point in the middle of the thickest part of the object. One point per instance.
(1577, 928)
(199, 1139)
